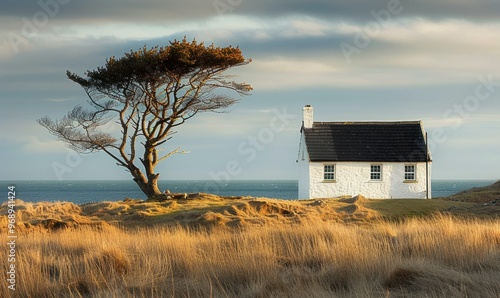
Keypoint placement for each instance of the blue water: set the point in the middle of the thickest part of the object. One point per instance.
(93, 191)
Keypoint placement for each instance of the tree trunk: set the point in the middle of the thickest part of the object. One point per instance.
(153, 186)
(148, 186)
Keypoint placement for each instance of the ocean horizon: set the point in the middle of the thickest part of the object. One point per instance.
(84, 191)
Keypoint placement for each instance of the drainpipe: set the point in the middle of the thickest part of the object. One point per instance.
(426, 166)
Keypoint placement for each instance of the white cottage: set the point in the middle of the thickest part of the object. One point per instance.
(379, 160)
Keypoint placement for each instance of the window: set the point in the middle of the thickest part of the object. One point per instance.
(410, 172)
(376, 172)
(329, 172)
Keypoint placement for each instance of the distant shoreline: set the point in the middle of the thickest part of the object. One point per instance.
(83, 191)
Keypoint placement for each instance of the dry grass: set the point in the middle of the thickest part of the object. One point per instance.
(437, 257)
(208, 246)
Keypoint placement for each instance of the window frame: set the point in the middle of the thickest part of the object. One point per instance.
(379, 172)
(414, 172)
(331, 172)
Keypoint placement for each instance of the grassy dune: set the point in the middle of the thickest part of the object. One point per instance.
(218, 247)
(486, 194)
(206, 211)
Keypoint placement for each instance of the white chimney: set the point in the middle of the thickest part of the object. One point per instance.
(308, 118)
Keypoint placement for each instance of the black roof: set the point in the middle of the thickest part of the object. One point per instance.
(366, 141)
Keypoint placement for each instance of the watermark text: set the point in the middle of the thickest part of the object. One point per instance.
(31, 26)
(11, 238)
(250, 148)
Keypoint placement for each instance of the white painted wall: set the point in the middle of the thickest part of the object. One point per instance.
(353, 178)
(303, 161)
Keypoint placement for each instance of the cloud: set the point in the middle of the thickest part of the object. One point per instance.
(172, 12)
(472, 120)
(60, 99)
(449, 50)
(98, 11)
(35, 145)
(239, 124)
(474, 142)
(359, 10)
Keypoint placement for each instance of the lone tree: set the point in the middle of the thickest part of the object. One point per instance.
(148, 93)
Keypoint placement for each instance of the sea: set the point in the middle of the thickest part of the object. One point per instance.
(80, 192)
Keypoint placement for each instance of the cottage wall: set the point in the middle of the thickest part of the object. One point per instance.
(353, 178)
(303, 161)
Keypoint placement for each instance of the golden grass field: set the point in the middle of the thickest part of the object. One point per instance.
(207, 246)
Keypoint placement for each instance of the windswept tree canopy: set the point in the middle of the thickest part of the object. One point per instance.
(148, 93)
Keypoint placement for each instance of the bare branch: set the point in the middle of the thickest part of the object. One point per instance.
(176, 151)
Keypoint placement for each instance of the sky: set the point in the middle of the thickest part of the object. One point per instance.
(358, 60)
